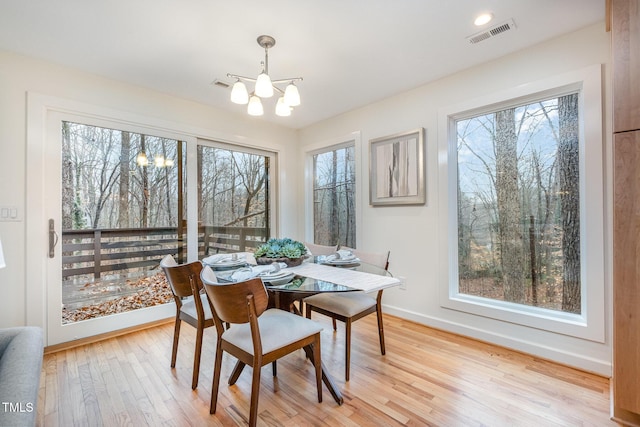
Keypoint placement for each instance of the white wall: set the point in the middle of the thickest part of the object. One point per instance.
(19, 75)
(411, 233)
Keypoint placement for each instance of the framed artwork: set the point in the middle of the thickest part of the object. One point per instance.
(396, 169)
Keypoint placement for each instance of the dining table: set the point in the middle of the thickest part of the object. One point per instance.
(317, 275)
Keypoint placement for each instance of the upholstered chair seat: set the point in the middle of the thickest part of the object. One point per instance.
(348, 307)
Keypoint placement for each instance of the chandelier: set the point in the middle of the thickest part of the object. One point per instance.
(265, 87)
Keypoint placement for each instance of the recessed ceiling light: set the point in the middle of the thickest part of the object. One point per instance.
(482, 19)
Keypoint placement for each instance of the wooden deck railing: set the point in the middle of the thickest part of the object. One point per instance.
(99, 251)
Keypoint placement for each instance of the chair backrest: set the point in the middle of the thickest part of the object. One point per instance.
(229, 301)
(178, 276)
(321, 249)
(208, 276)
(379, 259)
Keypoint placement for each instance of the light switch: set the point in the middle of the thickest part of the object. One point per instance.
(10, 213)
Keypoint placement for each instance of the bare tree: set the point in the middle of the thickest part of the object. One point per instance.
(67, 180)
(125, 159)
(509, 214)
(144, 217)
(568, 183)
(334, 230)
(252, 178)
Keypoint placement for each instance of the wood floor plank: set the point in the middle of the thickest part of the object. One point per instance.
(427, 378)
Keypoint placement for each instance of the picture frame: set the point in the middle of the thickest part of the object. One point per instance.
(397, 169)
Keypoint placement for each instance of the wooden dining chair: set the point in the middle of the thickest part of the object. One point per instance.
(191, 306)
(348, 307)
(320, 249)
(257, 336)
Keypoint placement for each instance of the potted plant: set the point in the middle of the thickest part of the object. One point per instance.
(286, 250)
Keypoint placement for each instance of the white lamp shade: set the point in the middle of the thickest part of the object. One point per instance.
(239, 94)
(291, 95)
(255, 106)
(264, 88)
(282, 109)
(2, 263)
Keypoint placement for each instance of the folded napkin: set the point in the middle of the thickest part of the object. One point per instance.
(257, 270)
(343, 254)
(214, 259)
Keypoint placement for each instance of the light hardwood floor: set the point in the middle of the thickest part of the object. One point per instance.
(427, 377)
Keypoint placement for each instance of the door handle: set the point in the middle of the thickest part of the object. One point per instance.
(53, 238)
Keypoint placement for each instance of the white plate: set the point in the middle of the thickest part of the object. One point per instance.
(277, 278)
(228, 263)
(340, 261)
(268, 275)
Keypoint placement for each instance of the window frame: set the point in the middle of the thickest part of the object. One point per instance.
(272, 182)
(352, 139)
(590, 324)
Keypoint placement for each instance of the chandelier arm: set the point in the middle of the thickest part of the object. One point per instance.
(294, 79)
(235, 76)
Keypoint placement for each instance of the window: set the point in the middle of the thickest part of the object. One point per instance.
(519, 204)
(233, 205)
(525, 236)
(334, 201)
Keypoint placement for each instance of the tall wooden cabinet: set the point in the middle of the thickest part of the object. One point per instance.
(625, 36)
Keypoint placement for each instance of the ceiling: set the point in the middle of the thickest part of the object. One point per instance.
(349, 52)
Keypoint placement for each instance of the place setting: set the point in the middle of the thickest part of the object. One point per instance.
(341, 258)
(274, 274)
(219, 262)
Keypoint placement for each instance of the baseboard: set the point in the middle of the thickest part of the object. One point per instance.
(625, 417)
(101, 337)
(573, 360)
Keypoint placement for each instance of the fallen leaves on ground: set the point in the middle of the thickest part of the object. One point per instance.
(152, 290)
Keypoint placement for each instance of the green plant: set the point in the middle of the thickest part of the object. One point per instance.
(281, 248)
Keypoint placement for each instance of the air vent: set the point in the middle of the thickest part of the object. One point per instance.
(221, 84)
(492, 32)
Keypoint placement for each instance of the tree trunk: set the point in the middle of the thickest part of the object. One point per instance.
(335, 227)
(464, 236)
(510, 232)
(167, 186)
(318, 204)
(568, 182)
(532, 258)
(123, 201)
(349, 213)
(68, 205)
(145, 187)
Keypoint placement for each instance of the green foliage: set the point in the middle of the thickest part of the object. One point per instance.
(281, 248)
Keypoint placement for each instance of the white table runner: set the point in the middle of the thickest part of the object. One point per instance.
(367, 282)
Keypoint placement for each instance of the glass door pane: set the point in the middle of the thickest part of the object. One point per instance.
(122, 212)
(233, 206)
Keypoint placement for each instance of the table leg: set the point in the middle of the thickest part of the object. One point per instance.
(235, 374)
(326, 378)
(284, 301)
